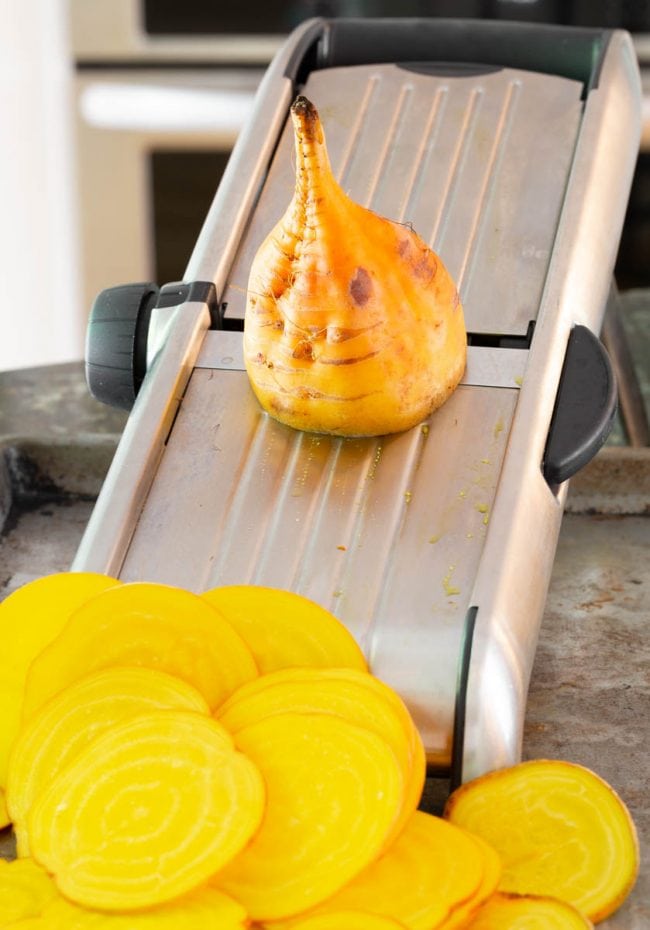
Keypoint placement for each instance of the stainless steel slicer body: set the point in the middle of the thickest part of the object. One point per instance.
(434, 546)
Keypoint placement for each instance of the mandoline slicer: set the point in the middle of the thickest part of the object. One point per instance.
(511, 149)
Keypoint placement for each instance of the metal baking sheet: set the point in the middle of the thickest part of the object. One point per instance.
(477, 164)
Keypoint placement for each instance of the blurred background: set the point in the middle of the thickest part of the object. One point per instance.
(117, 118)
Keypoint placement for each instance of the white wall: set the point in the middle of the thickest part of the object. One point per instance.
(41, 320)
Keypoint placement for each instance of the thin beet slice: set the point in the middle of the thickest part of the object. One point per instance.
(76, 716)
(355, 696)
(560, 831)
(284, 630)
(147, 812)
(334, 791)
(152, 625)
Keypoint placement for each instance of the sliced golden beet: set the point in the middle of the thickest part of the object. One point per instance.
(492, 868)
(528, 912)
(560, 831)
(25, 889)
(353, 326)
(355, 696)
(76, 716)
(333, 792)
(428, 871)
(345, 675)
(283, 629)
(31, 923)
(30, 619)
(146, 812)
(5, 819)
(342, 920)
(152, 625)
(202, 909)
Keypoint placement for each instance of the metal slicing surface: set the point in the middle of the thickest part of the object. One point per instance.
(387, 533)
(238, 497)
(478, 165)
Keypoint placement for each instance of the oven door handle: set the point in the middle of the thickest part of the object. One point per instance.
(145, 107)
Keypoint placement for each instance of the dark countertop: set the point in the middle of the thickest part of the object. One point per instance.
(53, 402)
(589, 699)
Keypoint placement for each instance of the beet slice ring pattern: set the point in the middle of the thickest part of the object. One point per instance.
(74, 718)
(285, 630)
(431, 868)
(147, 812)
(560, 830)
(348, 693)
(333, 792)
(152, 625)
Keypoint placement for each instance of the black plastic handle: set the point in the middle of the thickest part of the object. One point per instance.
(118, 327)
(568, 51)
(116, 342)
(584, 408)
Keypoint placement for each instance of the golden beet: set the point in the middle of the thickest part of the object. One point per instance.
(25, 889)
(461, 914)
(283, 629)
(333, 792)
(202, 909)
(356, 696)
(559, 829)
(343, 920)
(30, 618)
(73, 718)
(427, 873)
(353, 325)
(150, 625)
(5, 819)
(147, 812)
(528, 912)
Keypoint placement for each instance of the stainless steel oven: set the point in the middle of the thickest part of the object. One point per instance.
(156, 119)
(152, 145)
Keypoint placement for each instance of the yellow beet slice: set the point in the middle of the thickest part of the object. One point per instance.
(30, 923)
(74, 718)
(492, 868)
(528, 912)
(560, 831)
(30, 619)
(152, 625)
(283, 629)
(25, 889)
(356, 696)
(146, 812)
(343, 920)
(333, 792)
(203, 909)
(431, 868)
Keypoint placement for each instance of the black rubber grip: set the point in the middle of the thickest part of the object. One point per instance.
(116, 339)
(118, 327)
(567, 51)
(585, 407)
